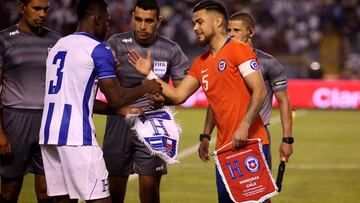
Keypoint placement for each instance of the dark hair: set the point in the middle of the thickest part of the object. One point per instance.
(87, 8)
(25, 2)
(210, 5)
(148, 5)
(245, 17)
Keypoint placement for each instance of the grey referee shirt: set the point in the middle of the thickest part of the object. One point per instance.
(275, 80)
(169, 61)
(23, 60)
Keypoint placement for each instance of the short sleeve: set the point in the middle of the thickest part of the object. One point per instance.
(179, 64)
(103, 61)
(193, 71)
(242, 54)
(277, 75)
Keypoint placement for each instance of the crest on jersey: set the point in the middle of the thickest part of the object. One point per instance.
(252, 164)
(254, 65)
(222, 65)
(160, 68)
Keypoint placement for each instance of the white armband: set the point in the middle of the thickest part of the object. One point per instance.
(248, 67)
(151, 76)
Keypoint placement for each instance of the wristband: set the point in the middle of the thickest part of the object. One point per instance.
(151, 76)
(288, 140)
(204, 136)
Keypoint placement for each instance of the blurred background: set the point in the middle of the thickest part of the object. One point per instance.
(312, 38)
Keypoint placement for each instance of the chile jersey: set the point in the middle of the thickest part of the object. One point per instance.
(226, 90)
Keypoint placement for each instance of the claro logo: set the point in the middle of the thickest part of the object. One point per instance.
(325, 97)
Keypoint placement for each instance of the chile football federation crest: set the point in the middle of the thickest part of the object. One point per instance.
(159, 132)
(222, 65)
(252, 164)
(160, 68)
(254, 65)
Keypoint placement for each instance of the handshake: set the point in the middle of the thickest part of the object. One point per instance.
(152, 87)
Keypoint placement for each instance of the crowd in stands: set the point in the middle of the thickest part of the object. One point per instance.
(298, 32)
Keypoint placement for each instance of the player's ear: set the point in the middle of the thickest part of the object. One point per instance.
(21, 8)
(160, 19)
(251, 32)
(98, 20)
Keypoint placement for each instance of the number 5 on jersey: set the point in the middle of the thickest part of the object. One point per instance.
(205, 80)
(55, 88)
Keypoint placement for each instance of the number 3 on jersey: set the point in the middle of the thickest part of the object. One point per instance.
(55, 88)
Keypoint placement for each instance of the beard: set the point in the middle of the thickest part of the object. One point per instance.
(203, 43)
(207, 38)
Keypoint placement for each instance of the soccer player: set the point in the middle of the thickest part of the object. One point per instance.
(23, 51)
(242, 28)
(73, 161)
(229, 76)
(124, 154)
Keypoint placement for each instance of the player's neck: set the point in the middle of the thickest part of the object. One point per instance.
(23, 27)
(146, 42)
(216, 43)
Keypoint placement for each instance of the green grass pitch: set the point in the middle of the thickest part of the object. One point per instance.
(325, 166)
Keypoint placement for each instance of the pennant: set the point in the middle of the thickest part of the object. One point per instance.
(159, 132)
(245, 173)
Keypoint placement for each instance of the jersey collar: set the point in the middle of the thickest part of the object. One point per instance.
(88, 35)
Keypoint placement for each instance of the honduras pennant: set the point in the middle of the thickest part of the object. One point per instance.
(159, 132)
(245, 173)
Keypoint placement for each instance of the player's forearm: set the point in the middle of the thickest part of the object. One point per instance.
(285, 115)
(131, 94)
(171, 93)
(209, 121)
(102, 108)
(255, 105)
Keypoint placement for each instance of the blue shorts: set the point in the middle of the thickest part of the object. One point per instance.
(223, 195)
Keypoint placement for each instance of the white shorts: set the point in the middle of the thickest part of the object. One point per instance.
(77, 171)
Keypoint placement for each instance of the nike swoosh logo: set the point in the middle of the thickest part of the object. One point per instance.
(203, 71)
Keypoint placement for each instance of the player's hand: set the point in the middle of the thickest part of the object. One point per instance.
(152, 86)
(204, 150)
(125, 110)
(143, 65)
(285, 151)
(240, 136)
(158, 101)
(5, 147)
(117, 64)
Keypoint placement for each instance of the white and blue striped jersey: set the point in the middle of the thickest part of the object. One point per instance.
(72, 67)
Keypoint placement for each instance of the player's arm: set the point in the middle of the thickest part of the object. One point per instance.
(5, 147)
(118, 96)
(177, 95)
(104, 109)
(255, 83)
(286, 120)
(279, 84)
(205, 137)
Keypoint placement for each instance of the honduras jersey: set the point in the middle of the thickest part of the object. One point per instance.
(72, 67)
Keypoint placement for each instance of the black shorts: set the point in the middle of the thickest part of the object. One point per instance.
(124, 154)
(22, 128)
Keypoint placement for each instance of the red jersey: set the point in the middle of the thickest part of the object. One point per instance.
(226, 90)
